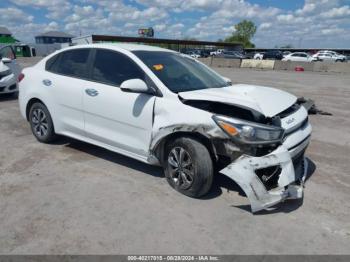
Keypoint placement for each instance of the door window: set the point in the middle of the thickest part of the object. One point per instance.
(70, 63)
(114, 68)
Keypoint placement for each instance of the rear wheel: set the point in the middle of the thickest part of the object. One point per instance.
(41, 123)
(188, 167)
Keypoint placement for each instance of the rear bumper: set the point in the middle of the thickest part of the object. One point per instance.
(272, 178)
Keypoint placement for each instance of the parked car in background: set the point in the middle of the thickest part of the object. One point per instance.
(204, 53)
(330, 56)
(216, 52)
(9, 71)
(259, 56)
(299, 57)
(164, 108)
(194, 54)
(285, 53)
(249, 55)
(273, 54)
(231, 55)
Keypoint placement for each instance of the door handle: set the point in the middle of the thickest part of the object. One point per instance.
(91, 92)
(47, 82)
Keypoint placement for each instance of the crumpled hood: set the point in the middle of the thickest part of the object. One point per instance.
(266, 100)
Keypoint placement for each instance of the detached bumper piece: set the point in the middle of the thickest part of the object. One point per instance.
(269, 179)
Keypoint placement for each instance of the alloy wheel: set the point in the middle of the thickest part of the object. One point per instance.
(181, 167)
(39, 122)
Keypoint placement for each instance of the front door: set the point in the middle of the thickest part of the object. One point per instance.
(115, 118)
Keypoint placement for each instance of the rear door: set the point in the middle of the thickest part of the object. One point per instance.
(115, 118)
(66, 76)
(326, 57)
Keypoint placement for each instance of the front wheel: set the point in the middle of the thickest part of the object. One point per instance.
(188, 167)
(41, 123)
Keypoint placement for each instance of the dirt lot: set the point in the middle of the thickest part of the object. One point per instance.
(75, 198)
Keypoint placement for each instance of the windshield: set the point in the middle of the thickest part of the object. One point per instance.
(180, 73)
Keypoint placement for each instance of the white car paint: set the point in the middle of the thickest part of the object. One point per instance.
(255, 97)
(9, 71)
(299, 57)
(217, 52)
(259, 56)
(136, 125)
(329, 56)
(8, 80)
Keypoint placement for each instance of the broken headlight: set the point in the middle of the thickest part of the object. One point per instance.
(249, 132)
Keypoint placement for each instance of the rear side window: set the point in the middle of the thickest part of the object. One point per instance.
(114, 68)
(51, 63)
(70, 63)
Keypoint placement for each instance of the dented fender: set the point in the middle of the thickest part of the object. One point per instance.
(242, 171)
(172, 116)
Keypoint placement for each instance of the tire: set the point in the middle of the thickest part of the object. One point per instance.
(197, 178)
(41, 123)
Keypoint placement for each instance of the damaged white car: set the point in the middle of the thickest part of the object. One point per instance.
(167, 109)
(9, 71)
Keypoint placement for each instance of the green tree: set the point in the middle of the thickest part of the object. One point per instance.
(245, 30)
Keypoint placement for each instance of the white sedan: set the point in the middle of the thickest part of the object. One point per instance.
(299, 57)
(164, 108)
(330, 56)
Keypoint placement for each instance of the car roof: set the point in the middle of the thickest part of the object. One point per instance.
(118, 46)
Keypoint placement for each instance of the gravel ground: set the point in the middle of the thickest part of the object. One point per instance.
(75, 198)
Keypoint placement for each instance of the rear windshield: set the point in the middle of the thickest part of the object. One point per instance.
(180, 73)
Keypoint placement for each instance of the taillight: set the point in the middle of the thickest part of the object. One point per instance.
(20, 77)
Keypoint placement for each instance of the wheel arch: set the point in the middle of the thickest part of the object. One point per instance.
(159, 149)
(31, 102)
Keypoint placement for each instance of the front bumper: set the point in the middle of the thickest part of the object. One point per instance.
(290, 173)
(8, 84)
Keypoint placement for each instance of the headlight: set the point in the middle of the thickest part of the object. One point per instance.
(249, 132)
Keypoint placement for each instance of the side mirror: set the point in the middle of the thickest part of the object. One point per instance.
(227, 80)
(6, 60)
(134, 86)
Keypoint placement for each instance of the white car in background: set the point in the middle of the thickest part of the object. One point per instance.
(259, 56)
(9, 71)
(194, 55)
(164, 108)
(299, 57)
(330, 56)
(217, 52)
(285, 53)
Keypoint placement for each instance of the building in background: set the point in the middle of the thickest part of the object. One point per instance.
(173, 44)
(6, 36)
(53, 37)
